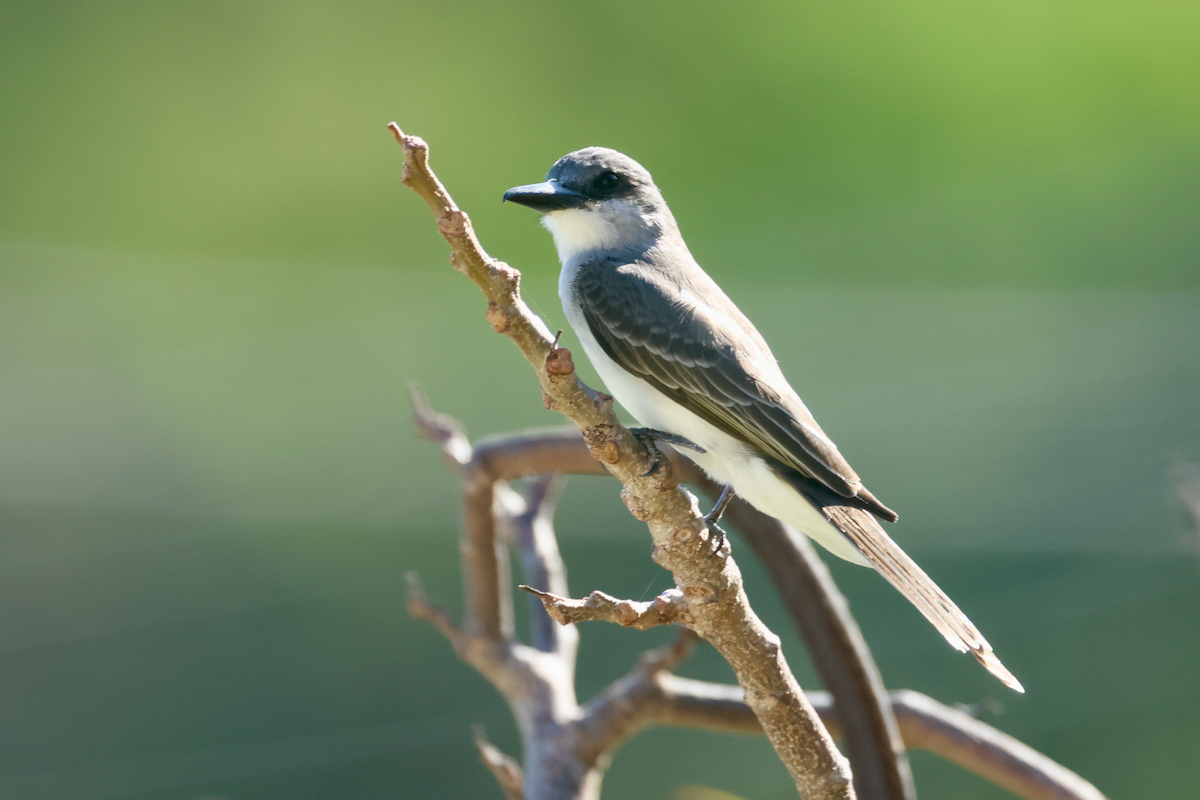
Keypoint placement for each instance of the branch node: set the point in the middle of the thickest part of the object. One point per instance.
(497, 317)
(509, 276)
(685, 533)
(559, 362)
(767, 701)
(602, 402)
(600, 442)
(627, 613)
(635, 505)
(607, 453)
(701, 592)
(453, 223)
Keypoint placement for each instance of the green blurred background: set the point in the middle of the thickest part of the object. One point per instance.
(971, 232)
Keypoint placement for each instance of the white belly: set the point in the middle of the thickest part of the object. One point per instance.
(728, 461)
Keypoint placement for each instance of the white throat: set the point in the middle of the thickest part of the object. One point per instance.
(605, 225)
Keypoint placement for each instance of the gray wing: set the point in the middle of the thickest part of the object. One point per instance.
(708, 358)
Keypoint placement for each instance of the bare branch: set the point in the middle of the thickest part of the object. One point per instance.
(483, 557)
(542, 562)
(504, 768)
(666, 609)
(420, 608)
(688, 703)
(540, 451)
(980, 748)
(647, 696)
(712, 586)
(924, 723)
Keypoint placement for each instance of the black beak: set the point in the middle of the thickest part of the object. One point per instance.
(548, 196)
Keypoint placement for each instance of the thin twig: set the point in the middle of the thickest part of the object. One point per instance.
(666, 609)
(504, 768)
(442, 429)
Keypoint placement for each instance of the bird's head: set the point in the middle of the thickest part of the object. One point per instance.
(597, 199)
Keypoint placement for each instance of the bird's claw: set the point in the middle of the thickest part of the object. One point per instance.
(648, 436)
(716, 537)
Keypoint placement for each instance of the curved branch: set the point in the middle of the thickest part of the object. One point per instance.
(924, 723)
(986, 751)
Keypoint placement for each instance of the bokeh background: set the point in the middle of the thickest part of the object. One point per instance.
(971, 232)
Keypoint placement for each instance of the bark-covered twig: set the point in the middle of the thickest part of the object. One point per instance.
(718, 607)
(666, 609)
(441, 429)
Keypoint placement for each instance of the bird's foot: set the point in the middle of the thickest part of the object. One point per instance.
(717, 533)
(648, 436)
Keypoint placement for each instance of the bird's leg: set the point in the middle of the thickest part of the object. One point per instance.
(648, 436)
(718, 510)
(713, 517)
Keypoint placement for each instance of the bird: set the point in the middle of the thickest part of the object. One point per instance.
(683, 359)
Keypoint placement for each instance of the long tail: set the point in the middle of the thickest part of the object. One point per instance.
(902, 572)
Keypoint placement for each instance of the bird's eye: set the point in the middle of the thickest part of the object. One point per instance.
(609, 181)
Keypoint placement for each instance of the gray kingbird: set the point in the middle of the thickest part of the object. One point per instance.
(683, 359)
